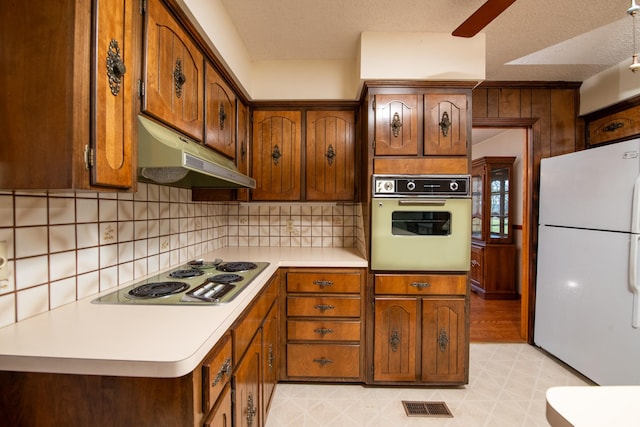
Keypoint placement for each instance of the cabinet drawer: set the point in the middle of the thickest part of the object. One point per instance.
(429, 284)
(216, 371)
(323, 360)
(323, 330)
(323, 306)
(477, 264)
(319, 282)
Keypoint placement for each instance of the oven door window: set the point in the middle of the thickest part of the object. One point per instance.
(420, 223)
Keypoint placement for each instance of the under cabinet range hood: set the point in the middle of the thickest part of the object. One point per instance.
(169, 158)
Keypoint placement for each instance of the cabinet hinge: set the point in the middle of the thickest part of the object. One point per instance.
(143, 7)
(141, 88)
(89, 156)
(373, 144)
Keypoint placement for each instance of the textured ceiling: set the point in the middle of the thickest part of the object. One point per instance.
(549, 40)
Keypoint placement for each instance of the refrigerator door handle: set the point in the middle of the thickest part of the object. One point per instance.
(634, 286)
(635, 207)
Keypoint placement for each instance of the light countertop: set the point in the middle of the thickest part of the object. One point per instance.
(594, 406)
(146, 340)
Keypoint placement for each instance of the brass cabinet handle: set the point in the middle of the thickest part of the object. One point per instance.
(475, 263)
(251, 410)
(225, 369)
(421, 285)
(445, 124)
(115, 67)
(323, 283)
(323, 307)
(396, 124)
(276, 154)
(270, 357)
(323, 361)
(612, 127)
(443, 340)
(394, 339)
(323, 331)
(330, 155)
(179, 78)
(222, 116)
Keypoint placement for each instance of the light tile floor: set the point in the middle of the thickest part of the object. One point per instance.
(507, 385)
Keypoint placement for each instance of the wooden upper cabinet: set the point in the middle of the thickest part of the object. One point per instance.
(396, 125)
(330, 155)
(174, 73)
(445, 124)
(220, 114)
(69, 116)
(277, 138)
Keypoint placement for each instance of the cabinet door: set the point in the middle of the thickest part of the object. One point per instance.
(395, 339)
(220, 415)
(270, 358)
(476, 273)
(444, 352)
(445, 124)
(277, 137)
(330, 155)
(116, 106)
(220, 114)
(396, 125)
(247, 412)
(173, 72)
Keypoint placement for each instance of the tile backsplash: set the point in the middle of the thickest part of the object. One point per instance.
(66, 246)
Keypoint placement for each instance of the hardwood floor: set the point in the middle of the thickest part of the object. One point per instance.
(494, 320)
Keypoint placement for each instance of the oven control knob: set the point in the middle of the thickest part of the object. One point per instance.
(453, 186)
(411, 185)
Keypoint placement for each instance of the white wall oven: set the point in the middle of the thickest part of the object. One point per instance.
(421, 223)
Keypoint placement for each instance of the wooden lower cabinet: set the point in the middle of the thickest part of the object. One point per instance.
(493, 271)
(220, 415)
(323, 323)
(247, 385)
(420, 336)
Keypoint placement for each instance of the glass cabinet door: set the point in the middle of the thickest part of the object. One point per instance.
(476, 207)
(499, 215)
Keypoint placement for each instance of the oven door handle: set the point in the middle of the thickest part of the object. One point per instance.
(422, 202)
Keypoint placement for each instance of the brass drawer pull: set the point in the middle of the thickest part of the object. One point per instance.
(421, 285)
(475, 263)
(225, 369)
(323, 307)
(612, 127)
(323, 283)
(323, 331)
(323, 361)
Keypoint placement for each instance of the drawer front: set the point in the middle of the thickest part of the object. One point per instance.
(216, 371)
(323, 360)
(427, 284)
(323, 330)
(623, 124)
(323, 306)
(319, 282)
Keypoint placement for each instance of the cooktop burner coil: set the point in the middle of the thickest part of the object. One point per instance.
(225, 278)
(157, 289)
(186, 273)
(232, 267)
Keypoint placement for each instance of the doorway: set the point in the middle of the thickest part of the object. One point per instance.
(505, 320)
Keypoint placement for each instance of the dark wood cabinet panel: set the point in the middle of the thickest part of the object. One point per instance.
(443, 344)
(396, 120)
(445, 124)
(174, 73)
(330, 155)
(220, 114)
(247, 386)
(277, 138)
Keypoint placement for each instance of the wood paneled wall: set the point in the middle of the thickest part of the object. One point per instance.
(550, 111)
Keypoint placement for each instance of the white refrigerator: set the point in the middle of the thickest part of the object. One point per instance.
(587, 306)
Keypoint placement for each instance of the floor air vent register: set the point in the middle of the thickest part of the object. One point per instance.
(427, 409)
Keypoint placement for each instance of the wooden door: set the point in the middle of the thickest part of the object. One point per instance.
(330, 155)
(220, 114)
(220, 415)
(174, 73)
(445, 124)
(117, 70)
(395, 339)
(277, 137)
(270, 357)
(247, 378)
(396, 125)
(444, 352)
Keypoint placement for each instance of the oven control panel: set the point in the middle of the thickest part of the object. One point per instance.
(421, 185)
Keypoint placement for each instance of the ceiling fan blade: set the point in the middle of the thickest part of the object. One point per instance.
(482, 17)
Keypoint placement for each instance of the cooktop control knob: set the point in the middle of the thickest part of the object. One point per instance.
(411, 185)
(453, 186)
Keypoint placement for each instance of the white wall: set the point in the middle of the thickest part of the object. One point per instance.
(509, 143)
(609, 87)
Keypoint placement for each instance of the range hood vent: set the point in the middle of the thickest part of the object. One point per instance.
(169, 158)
